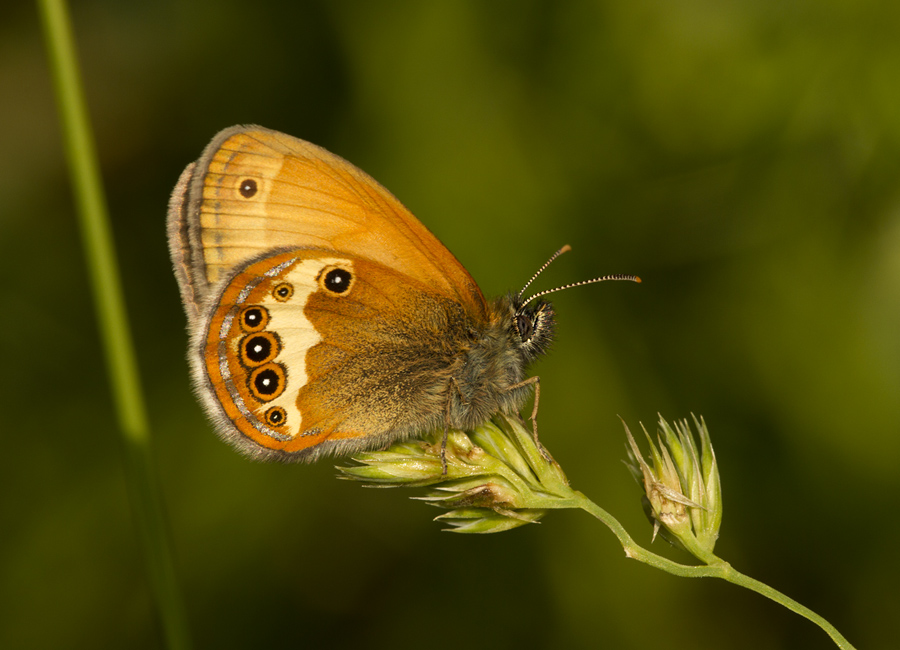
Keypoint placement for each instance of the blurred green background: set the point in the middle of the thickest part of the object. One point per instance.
(742, 156)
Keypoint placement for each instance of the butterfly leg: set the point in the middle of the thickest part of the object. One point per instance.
(444, 450)
(455, 385)
(536, 381)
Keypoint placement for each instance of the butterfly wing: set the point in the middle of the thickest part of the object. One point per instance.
(310, 352)
(255, 190)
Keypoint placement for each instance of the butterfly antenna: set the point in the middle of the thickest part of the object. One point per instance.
(630, 278)
(564, 249)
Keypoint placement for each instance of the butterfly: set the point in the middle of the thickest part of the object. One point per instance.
(324, 318)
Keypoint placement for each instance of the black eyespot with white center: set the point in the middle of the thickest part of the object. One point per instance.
(259, 348)
(267, 382)
(254, 318)
(276, 416)
(283, 291)
(248, 188)
(337, 280)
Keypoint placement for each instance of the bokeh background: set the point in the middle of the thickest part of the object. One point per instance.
(742, 156)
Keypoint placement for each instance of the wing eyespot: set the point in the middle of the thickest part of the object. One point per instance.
(267, 382)
(283, 291)
(259, 348)
(254, 318)
(336, 280)
(248, 188)
(275, 416)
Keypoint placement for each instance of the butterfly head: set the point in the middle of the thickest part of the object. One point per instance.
(534, 320)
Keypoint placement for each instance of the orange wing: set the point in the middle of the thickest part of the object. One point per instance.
(255, 190)
(296, 370)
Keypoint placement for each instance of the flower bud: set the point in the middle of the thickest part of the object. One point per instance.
(682, 492)
(497, 477)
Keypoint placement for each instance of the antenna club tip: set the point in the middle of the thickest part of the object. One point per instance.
(564, 249)
(637, 279)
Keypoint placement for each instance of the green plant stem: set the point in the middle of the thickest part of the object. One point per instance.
(714, 568)
(121, 361)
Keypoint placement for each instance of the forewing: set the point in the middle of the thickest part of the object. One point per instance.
(254, 190)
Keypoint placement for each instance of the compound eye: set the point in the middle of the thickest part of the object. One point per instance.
(525, 327)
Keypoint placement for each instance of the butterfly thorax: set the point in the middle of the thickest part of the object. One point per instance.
(488, 374)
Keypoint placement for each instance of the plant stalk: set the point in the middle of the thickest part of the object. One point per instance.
(714, 568)
(121, 360)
